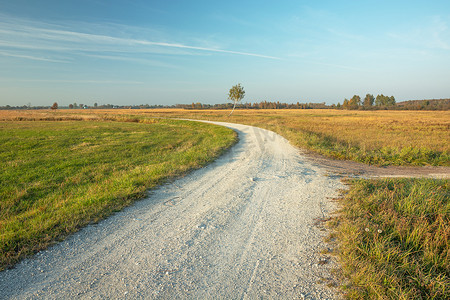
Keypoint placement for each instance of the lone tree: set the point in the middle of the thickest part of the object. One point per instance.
(236, 94)
(54, 106)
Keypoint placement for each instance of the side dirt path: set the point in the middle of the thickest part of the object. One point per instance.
(355, 169)
(246, 226)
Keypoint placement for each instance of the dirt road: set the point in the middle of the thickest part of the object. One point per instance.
(243, 227)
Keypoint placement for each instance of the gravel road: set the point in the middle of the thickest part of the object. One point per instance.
(247, 226)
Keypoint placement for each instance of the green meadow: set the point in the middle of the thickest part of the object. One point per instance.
(393, 239)
(57, 176)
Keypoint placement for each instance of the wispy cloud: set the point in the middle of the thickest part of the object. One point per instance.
(432, 33)
(335, 66)
(308, 58)
(4, 53)
(16, 34)
(305, 60)
(340, 34)
(87, 81)
(181, 46)
(132, 59)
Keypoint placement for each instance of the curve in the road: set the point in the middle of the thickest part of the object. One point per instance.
(243, 227)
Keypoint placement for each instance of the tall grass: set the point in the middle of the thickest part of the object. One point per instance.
(394, 239)
(56, 177)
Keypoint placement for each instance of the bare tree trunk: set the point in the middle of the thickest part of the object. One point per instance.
(233, 108)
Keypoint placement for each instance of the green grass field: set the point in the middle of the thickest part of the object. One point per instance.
(56, 177)
(394, 239)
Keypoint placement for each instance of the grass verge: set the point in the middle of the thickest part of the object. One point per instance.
(394, 239)
(56, 177)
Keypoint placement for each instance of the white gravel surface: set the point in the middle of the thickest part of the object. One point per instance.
(244, 227)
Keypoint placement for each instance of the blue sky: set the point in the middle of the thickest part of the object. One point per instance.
(168, 52)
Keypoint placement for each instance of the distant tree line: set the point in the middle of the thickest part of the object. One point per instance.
(432, 104)
(386, 102)
(369, 102)
(256, 105)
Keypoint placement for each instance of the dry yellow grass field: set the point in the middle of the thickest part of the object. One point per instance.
(368, 129)
(375, 137)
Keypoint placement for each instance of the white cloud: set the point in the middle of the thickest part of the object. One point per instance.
(4, 53)
(23, 35)
(121, 82)
(132, 59)
(431, 33)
